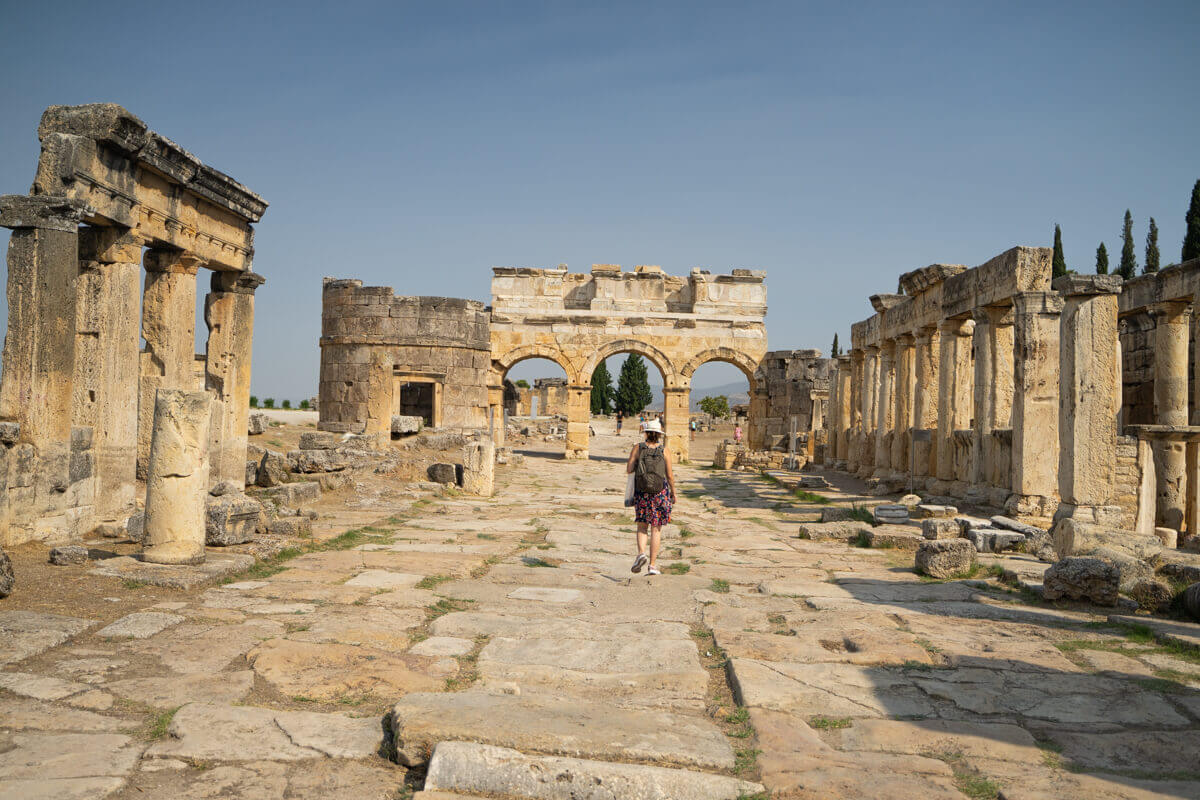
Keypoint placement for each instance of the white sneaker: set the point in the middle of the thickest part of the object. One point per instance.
(639, 562)
(653, 571)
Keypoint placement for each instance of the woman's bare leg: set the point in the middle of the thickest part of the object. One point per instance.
(641, 537)
(655, 544)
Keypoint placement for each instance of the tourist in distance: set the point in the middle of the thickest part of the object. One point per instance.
(737, 434)
(653, 493)
(620, 419)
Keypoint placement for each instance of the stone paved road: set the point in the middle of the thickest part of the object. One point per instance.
(500, 647)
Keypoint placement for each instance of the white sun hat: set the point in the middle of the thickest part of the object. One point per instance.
(653, 426)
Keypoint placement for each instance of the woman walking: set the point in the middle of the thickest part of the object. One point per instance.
(653, 493)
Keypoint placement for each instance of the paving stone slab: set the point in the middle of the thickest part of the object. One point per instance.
(848, 646)
(39, 687)
(470, 767)
(175, 691)
(245, 733)
(384, 579)
(58, 755)
(60, 788)
(216, 565)
(325, 671)
(381, 628)
(140, 625)
(1185, 633)
(442, 646)
(200, 647)
(23, 714)
(920, 737)
(319, 779)
(564, 726)
(28, 633)
(544, 595)
(469, 624)
(837, 690)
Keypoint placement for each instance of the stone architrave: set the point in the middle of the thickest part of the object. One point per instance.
(106, 355)
(229, 314)
(1090, 392)
(177, 479)
(479, 468)
(1173, 319)
(926, 398)
(904, 393)
(954, 391)
(1035, 403)
(169, 328)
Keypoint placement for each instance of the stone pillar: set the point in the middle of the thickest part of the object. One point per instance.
(106, 354)
(1172, 325)
(169, 328)
(1000, 328)
(379, 395)
(844, 409)
(1035, 403)
(954, 391)
(675, 421)
(886, 408)
(756, 438)
(229, 314)
(496, 413)
(870, 412)
(926, 399)
(904, 395)
(1090, 391)
(579, 416)
(855, 417)
(983, 396)
(39, 349)
(479, 467)
(177, 478)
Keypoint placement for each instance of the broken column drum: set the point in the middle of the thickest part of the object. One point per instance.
(177, 478)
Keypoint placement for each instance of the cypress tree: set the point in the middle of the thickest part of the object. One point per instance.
(633, 389)
(602, 390)
(833, 351)
(1151, 248)
(1060, 263)
(1102, 260)
(1128, 266)
(1191, 236)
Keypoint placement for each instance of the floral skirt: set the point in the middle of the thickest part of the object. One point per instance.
(653, 509)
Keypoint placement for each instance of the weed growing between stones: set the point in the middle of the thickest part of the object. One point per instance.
(489, 536)
(537, 562)
(720, 586)
(156, 727)
(967, 779)
(862, 514)
(805, 496)
(430, 581)
(829, 723)
(678, 568)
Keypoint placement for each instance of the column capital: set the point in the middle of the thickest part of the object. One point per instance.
(925, 333)
(905, 340)
(1000, 316)
(1172, 310)
(1048, 303)
(46, 212)
(957, 326)
(179, 261)
(887, 350)
(110, 244)
(1073, 285)
(237, 282)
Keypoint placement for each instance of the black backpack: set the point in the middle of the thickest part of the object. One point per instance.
(650, 473)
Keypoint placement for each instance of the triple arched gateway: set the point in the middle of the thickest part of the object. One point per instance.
(577, 320)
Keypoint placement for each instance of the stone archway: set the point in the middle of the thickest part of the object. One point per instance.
(577, 320)
(755, 378)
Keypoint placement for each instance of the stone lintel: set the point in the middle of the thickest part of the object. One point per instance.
(110, 244)
(882, 302)
(46, 212)
(606, 269)
(919, 280)
(1073, 285)
(1019, 269)
(1180, 281)
(236, 282)
(172, 261)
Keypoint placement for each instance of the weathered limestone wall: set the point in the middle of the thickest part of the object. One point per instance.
(76, 396)
(438, 348)
(798, 385)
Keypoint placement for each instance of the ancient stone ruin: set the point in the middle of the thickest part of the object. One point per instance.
(110, 199)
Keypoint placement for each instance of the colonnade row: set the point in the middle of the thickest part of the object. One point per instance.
(1018, 405)
(72, 369)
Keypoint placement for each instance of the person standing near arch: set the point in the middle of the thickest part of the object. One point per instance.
(653, 494)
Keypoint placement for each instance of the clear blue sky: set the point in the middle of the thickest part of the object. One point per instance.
(833, 145)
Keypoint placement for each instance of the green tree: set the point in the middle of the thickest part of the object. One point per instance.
(1060, 261)
(304, 405)
(1128, 266)
(269, 402)
(602, 389)
(254, 401)
(1191, 236)
(717, 407)
(1102, 260)
(834, 352)
(522, 384)
(287, 403)
(1151, 248)
(633, 388)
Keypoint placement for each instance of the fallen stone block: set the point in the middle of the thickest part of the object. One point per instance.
(891, 513)
(1168, 537)
(310, 461)
(1074, 536)
(111, 530)
(272, 470)
(7, 578)
(497, 771)
(993, 540)
(402, 425)
(1191, 599)
(331, 481)
(223, 488)
(1082, 579)
(319, 440)
(898, 536)
(69, 555)
(442, 473)
(846, 531)
(1010, 524)
(938, 528)
(299, 527)
(251, 472)
(836, 514)
(231, 519)
(135, 526)
(1151, 595)
(812, 482)
(931, 511)
(296, 494)
(256, 424)
(945, 558)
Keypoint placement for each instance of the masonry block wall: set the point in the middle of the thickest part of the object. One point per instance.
(797, 384)
(382, 353)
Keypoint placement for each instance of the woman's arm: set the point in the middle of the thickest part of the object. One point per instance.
(670, 472)
(632, 460)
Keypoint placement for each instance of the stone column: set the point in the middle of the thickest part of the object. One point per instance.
(954, 391)
(479, 467)
(229, 314)
(169, 328)
(844, 410)
(886, 408)
(756, 438)
(39, 350)
(1090, 393)
(870, 413)
(579, 416)
(177, 478)
(926, 399)
(1000, 328)
(675, 421)
(380, 385)
(854, 428)
(1173, 319)
(496, 413)
(982, 395)
(1035, 403)
(905, 395)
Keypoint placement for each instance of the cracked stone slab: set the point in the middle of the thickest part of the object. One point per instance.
(40, 687)
(325, 671)
(919, 737)
(319, 779)
(564, 726)
(245, 733)
(140, 625)
(28, 633)
(24, 714)
(484, 769)
(175, 691)
(55, 756)
(216, 565)
(839, 690)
